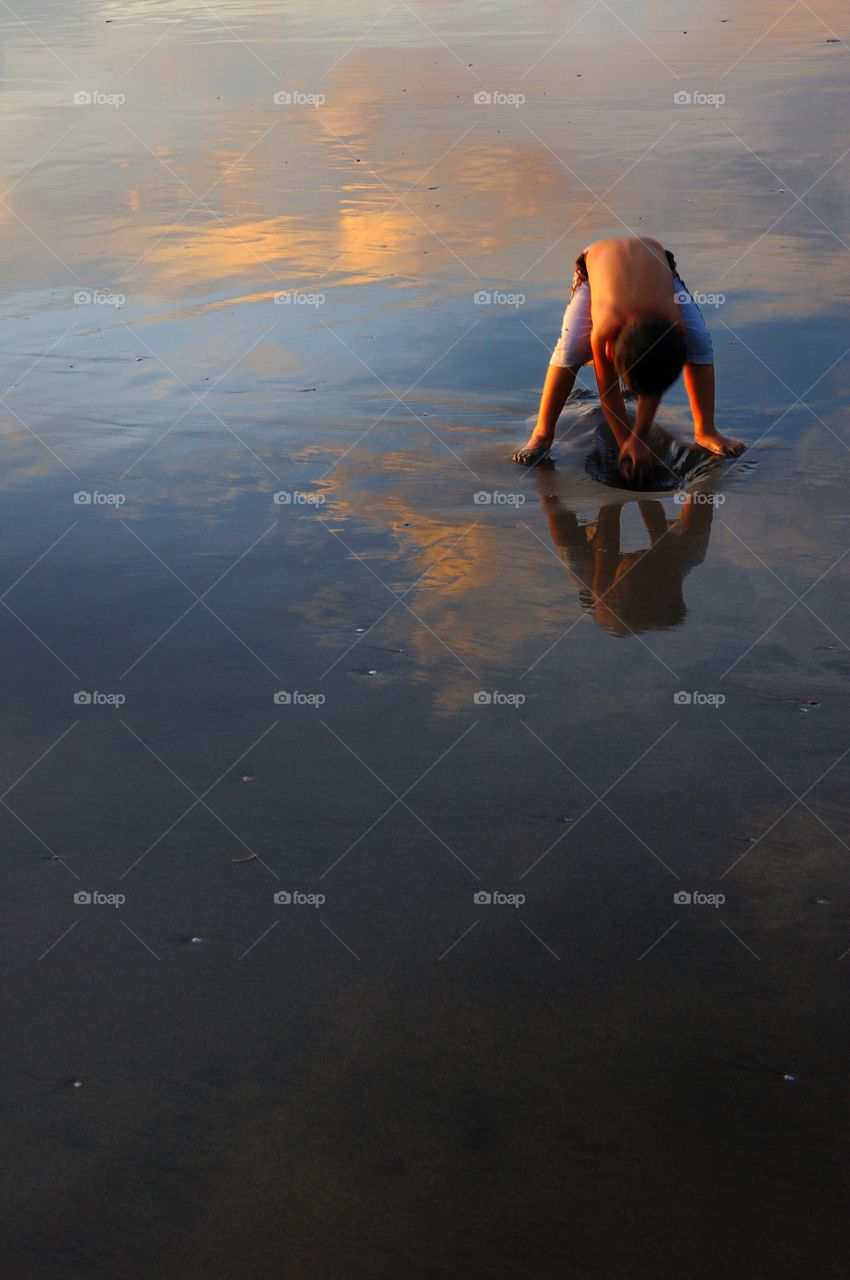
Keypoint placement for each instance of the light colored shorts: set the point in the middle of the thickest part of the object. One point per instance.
(573, 347)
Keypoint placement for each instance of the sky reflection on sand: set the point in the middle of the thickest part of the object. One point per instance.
(396, 201)
(399, 1071)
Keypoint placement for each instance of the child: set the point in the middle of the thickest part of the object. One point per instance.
(644, 328)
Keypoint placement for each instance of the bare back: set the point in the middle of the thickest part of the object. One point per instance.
(628, 277)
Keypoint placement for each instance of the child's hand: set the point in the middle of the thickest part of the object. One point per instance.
(635, 459)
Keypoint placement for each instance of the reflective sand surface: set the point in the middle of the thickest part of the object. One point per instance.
(212, 298)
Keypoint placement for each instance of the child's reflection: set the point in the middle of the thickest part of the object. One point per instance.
(632, 591)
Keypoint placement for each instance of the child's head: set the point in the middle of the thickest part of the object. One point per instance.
(649, 354)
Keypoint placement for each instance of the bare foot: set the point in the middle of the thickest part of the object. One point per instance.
(714, 441)
(535, 452)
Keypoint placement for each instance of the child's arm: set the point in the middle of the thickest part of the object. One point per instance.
(611, 395)
(635, 453)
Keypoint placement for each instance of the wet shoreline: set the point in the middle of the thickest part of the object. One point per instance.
(402, 757)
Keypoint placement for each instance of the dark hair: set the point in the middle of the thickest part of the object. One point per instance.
(649, 354)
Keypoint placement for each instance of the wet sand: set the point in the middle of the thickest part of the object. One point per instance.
(581, 1076)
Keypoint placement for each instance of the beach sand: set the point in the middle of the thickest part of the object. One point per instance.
(395, 686)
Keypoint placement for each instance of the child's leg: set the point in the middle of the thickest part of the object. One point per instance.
(699, 377)
(699, 384)
(571, 351)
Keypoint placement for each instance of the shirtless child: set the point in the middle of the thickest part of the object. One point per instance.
(644, 328)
